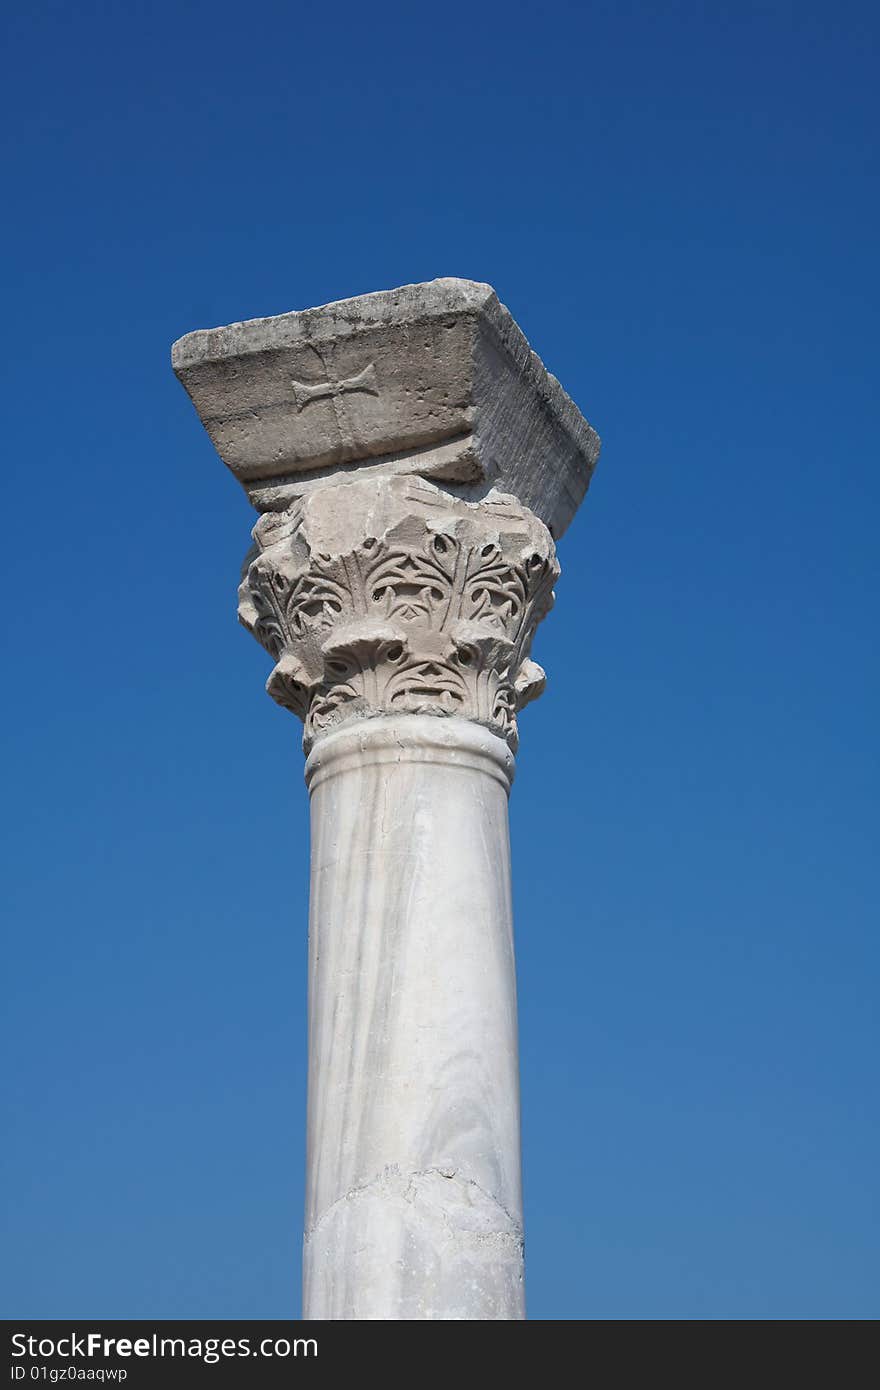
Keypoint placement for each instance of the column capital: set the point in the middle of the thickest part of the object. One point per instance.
(413, 462)
(386, 595)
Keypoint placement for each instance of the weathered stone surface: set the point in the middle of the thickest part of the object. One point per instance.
(386, 595)
(434, 379)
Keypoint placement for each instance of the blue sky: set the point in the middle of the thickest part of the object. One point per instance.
(679, 204)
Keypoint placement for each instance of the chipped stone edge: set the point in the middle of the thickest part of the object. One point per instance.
(404, 1181)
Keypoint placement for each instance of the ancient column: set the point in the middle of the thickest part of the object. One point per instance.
(413, 463)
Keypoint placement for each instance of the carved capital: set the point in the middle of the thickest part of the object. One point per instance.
(387, 595)
(413, 461)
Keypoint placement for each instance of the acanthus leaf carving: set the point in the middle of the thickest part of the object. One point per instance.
(392, 596)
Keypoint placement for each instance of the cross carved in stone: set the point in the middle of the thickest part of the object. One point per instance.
(304, 392)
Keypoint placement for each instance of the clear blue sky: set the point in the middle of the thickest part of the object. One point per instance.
(679, 203)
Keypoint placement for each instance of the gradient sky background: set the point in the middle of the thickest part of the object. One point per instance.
(679, 204)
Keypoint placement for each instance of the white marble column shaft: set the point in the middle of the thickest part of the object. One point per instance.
(413, 1200)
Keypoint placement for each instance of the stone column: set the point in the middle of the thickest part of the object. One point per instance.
(412, 462)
